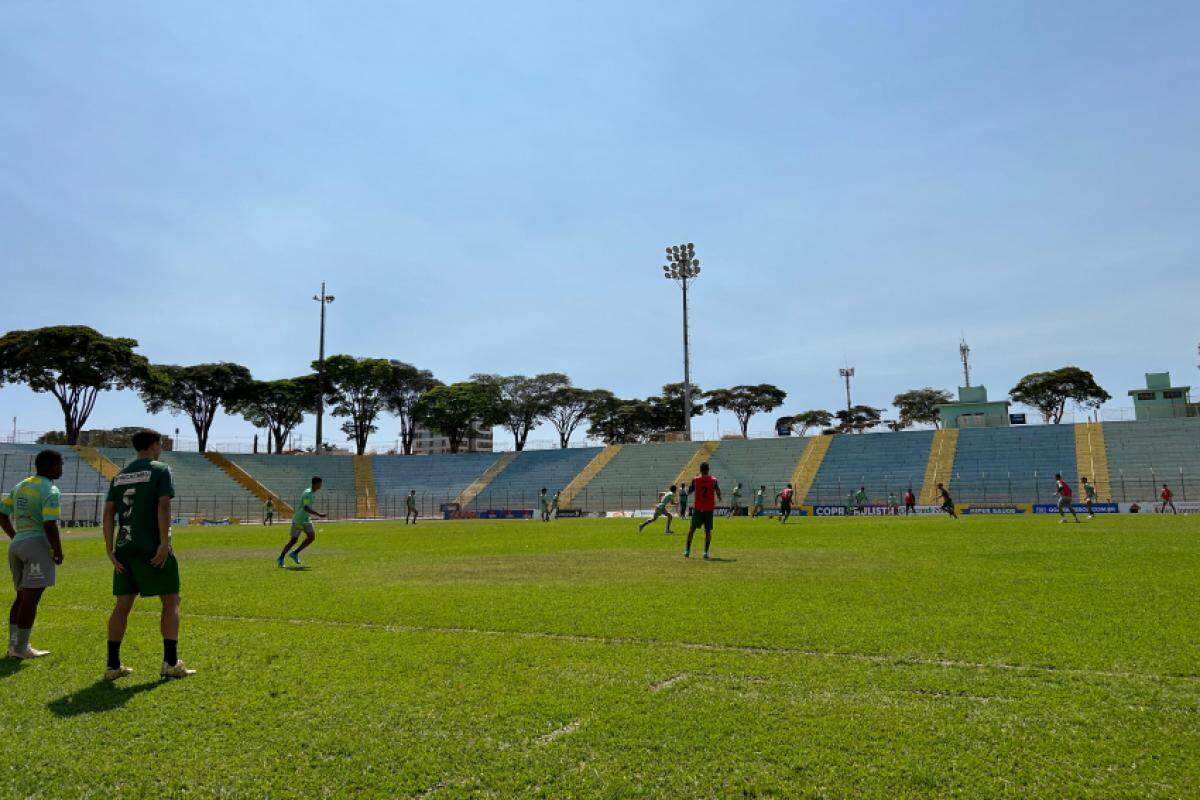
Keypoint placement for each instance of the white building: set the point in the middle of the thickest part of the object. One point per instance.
(426, 442)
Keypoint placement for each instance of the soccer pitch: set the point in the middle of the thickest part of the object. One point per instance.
(991, 657)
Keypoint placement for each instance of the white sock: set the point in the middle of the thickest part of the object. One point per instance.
(12, 636)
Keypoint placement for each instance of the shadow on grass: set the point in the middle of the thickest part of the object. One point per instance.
(10, 666)
(100, 696)
(721, 560)
(300, 568)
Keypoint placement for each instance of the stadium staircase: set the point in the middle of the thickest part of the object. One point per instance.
(692, 468)
(247, 482)
(531, 471)
(97, 461)
(580, 481)
(1091, 457)
(941, 464)
(490, 474)
(367, 505)
(809, 465)
(635, 476)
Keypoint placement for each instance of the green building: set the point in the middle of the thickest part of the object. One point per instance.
(1161, 400)
(973, 410)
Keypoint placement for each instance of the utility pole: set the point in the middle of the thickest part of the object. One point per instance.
(847, 373)
(964, 352)
(683, 267)
(324, 300)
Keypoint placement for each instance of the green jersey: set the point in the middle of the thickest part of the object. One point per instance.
(135, 492)
(306, 500)
(758, 497)
(666, 500)
(31, 502)
(737, 495)
(544, 500)
(411, 500)
(860, 497)
(270, 507)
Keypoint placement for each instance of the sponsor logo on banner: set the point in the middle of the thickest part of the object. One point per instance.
(568, 513)
(996, 508)
(1182, 506)
(797, 511)
(507, 513)
(854, 511)
(1080, 508)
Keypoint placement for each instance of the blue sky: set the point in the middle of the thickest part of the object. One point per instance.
(488, 187)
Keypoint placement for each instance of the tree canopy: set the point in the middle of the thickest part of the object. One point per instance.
(617, 421)
(805, 420)
(196, 391)
(745, 401)
(857, 419)
(356, 390)
(919, 406)
(524, 402)
(1049, 392)
(402, 395)
(569, 406)
(279, 406)
(452, 410)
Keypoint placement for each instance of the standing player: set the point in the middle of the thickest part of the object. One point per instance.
(735, 500)
(29, 516)
(947, 501)
(410, 508)
(554, 503)
(1167, 500)
(661, 510)
(785, 503)
(706, 492)
(269, 512)
(302, 523)
(1063, 492)
(683, 501)
(138, 512)
(893, 506)
(544, 504)
(759, 499)
(860, 500)
(1089, 496)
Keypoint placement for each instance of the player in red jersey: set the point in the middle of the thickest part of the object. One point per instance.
(910, 502)
(705, 493)
(785, 502)
(1166, 496)
(1063, 492)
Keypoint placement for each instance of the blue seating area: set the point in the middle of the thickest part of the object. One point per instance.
(82, 487)
(437, 478)
(756, 462)
(518, 485)
(635, 476)
(882, 462)
(289, 475)
(1142, 456)
(201, 488)
(1012, 464)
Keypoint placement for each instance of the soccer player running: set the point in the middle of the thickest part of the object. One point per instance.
(1089, 496)
(302, 523)
(1166, 497)
(759, 500)
(784, 497)
(1063, 491)
(29, 516)
(269, 512)
(410, 508)
(910, 502)
(662, 509)
(544, 504)
(137, 536)
(947, 501)
(706, 493)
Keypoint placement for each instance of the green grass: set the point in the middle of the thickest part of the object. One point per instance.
(831, 658)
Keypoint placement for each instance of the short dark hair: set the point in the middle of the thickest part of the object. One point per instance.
(1058, 474)
(46, 459)
(145, 439)
(704, 468)
(317, 479)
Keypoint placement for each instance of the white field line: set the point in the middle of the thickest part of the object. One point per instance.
(630, 641)
(669, 682)
(569, 728)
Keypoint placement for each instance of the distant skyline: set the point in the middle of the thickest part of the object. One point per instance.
(490, 189)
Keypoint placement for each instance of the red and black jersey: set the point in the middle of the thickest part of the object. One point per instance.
(786, 495)
(704, 492)
(1063, 489)
(1166, 494)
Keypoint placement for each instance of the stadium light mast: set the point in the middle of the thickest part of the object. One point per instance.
(324, 300)
(964, 352)
(683, 267)
(847, 373)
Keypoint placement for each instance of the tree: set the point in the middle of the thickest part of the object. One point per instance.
(408, 384)
(569, 406)
(1048, 392)
(74, 363)
(810, 419)
(197, 391)
(617, 421)
(111, 437)
(666, 409)
(453, 410)
(919, 406)
(745, 402)
(279, 406)
(356, 389)
(524, 402)
(857, 419)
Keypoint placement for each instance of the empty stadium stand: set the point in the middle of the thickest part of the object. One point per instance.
(1142, 456)
(756, 462)
(82, 487)
(635, 476)
(289, 475)
(437, 478)
(1011, 464)
(882, 462)
(201, 489)
(518, 485)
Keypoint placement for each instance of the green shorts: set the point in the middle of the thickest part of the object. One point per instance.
(141, 577)
(702, 519)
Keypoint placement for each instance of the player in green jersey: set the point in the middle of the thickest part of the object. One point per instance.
(760, 497)
(269, 512)
(302, 523)
(410, 508)
(554, 504)
(137, 536)
(29, 516)
(735, 500)
(544, 504)
(860, 500)
(664, 502)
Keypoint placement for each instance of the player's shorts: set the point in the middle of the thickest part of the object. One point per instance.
(660, 510)
(1064, 504)
(948, 507)
(31, 563)
(143, 578)
(305, 527)
(785, 506)
(704, 518)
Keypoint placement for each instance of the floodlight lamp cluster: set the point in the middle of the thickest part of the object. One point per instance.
(328, 298)
(682, 263)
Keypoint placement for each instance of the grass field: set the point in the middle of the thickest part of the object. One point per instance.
(829, 658)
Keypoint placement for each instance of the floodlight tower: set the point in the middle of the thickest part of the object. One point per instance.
(964, 352)
(324, 300)
(847, 373)
(682, 267)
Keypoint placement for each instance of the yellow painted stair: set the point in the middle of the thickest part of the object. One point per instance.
(249, 483)
(98, 461)
(692, 468)
(483, 481)
(1091, 456)
(807, 467)
(940, 465)
(580, 481)
(366, 503)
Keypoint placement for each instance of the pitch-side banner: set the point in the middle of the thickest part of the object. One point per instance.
(1080, 508)
(1182, 506)
(997, 508)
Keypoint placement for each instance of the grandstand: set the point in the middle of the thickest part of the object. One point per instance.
(1012, 464)
(82, 487)
(201, 489)
(288, 476)
(755, 462)
(518, 485)
(437, 478)
(883, 462)
(1142, 456)
(635, 476)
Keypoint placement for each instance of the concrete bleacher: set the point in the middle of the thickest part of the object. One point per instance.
(437, 478)
(635, 476)
(518, 485)
(82, 487)
(1142, 456)
(289, 475)
(756, 462)
(1012, 464)
(882, 462)
(201, 488)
